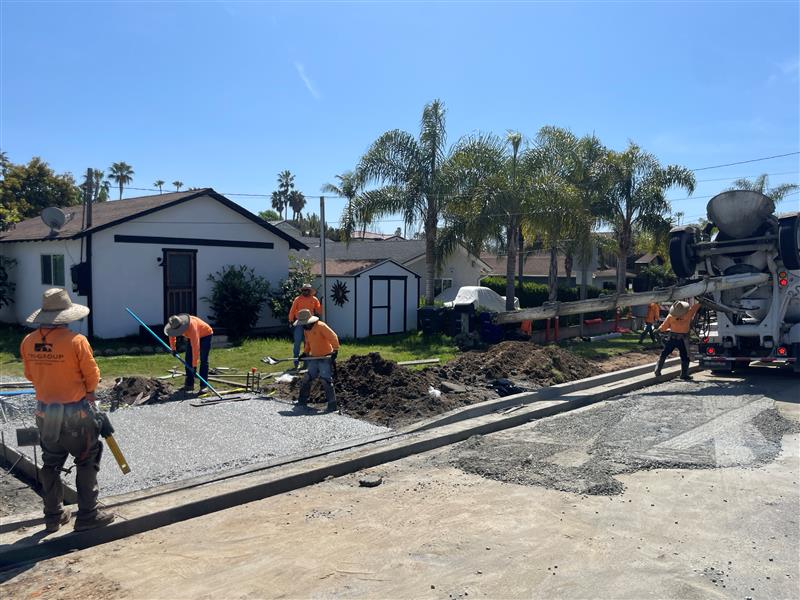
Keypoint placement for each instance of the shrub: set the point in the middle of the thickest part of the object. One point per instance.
(280, 301)
(237, 297)
(6, 287)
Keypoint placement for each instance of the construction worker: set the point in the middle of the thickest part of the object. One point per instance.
(306, 300)
(677, 324)
(61, 366)
(199, 334)
(321, 347)
(653, 314)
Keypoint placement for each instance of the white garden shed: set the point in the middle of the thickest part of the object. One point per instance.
(369, 297)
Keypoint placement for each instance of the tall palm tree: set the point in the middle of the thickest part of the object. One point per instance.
(636, 198)
(761, 184)
(178, 185)
(285, 187)
(159, 183)
(348, 188)
(298, 202)
(122, 174)
(413, 176)
(278, 203)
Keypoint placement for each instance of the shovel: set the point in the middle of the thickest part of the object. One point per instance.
(274, 361)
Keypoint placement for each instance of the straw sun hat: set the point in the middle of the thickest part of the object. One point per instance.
(679, 309)
(176, 325)
(57, 309)
(304, 317)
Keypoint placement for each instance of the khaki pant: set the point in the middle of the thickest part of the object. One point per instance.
(78, 437)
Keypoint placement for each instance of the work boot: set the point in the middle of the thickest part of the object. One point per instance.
(330, 407)
(54, 524)
(657, 370)
(101, 519)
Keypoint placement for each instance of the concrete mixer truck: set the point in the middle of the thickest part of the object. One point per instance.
(743, 236)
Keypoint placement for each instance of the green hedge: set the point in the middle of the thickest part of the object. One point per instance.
(536, 294)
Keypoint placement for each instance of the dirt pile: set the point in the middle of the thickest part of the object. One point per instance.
(523, 362)
(380, 391)
(142, 390)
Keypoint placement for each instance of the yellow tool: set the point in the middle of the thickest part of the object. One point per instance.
(106, 432)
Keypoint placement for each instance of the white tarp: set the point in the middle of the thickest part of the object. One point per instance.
(482, 297)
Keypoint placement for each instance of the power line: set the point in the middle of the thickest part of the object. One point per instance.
(741, 162)
(747, 176)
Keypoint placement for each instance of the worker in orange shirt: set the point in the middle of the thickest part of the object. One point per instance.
(677, 324)
(322, 347)
(199, 334)
(61, 366)
(307, 300)
(653, 314)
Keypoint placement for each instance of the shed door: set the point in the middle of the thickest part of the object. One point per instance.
(180, 282)
(387, 301)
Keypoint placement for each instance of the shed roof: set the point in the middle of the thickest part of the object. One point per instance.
(114, 212)
(349, 268)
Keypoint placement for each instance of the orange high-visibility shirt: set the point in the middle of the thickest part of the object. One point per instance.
(320, 340)
(680, 324)
(60, 364)
(653, 312)
(196, 330)
(305, 302)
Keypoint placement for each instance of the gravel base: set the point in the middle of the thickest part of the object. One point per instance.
(702, 425)
(175, 441)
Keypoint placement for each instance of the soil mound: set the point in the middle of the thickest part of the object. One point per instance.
(518, 361)
(142, 390)
(380, 391)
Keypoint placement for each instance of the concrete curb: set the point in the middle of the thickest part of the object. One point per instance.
(333, 465)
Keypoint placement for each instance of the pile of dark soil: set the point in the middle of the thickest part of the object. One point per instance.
(142, 390)
(523, 362)
(380, 391)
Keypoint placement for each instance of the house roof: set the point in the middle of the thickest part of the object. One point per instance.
(646, 259)
(114, 212)
(371, 235)
(611, 273)
(349, 268)
(535, 265)
(293, 231)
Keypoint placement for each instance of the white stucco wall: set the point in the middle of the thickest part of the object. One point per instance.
(340, 318)
(462, 268)
(27, 274)
(128, 274)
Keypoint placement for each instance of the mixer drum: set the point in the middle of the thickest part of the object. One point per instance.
(739, 213)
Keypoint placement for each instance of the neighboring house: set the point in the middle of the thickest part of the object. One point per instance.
(153, 254)
(459, 269)
(536, 268)
(368, 297)
(607, 278)
(647, 260)
(371, 235)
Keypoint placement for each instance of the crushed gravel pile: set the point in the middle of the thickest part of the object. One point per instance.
(142, 390)
(524, 362)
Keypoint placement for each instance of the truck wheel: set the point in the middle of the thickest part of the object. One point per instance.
(789, 242)
(681, 254)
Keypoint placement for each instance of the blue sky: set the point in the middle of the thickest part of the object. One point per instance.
(226, 94)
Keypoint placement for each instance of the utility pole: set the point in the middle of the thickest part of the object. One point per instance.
(323, 265)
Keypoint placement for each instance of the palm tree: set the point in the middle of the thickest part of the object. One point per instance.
(178, 185)
(285, 186)
(413, 175)
(159, 183)
(121, 174)
(348, 187)
(636, 198)
(298, 202)
(278, 203)
(761, 184)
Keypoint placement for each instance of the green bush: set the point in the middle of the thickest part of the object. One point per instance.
(7, 287)
(237, 297)
(536, 294)
(280, 301)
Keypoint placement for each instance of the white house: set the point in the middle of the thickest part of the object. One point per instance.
(153, 254)
(368, 297)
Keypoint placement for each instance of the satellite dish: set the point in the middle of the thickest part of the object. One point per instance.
(54, 218)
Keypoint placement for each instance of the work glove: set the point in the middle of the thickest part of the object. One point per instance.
(103, 424)
(333, 355)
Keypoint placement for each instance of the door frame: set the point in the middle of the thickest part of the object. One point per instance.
(165, 267)
(388, 306)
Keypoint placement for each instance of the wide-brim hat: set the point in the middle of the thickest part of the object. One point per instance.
(679, 309)
(308, 286)
(304, 317)
(176, 325)
(57, 309)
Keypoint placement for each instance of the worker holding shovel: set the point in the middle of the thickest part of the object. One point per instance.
(307, 300)
(677, 324)
(61, 366)
(321, 345)
(199, 334)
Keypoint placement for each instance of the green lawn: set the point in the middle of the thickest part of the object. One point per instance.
(399, 347)
(607, 348)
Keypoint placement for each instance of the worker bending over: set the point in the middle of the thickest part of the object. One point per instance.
(61, 366)
(199, 334)
(653, 315)
(321, 346)
(677, 324)
(306, 300)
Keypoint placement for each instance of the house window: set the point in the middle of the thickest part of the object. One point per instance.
(440, 285)
(53, 269)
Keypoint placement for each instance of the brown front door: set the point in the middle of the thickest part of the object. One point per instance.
(180, 282)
